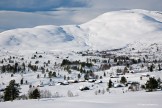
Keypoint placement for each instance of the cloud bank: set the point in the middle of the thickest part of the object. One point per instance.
(40, 5)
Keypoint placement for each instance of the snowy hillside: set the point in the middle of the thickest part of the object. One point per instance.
(116, 29)
(41, 37)
(108, 31)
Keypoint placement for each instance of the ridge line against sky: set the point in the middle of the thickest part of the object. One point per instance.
(65, 12)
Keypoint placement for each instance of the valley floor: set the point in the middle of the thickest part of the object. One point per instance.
(139, 99)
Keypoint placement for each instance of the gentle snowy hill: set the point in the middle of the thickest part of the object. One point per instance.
(110, 30)
(41, 37)
(116, 29)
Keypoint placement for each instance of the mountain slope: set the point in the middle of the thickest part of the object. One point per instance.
(108, 31)
(117, 29)
(41, 37)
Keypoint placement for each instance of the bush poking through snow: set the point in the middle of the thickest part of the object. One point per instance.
(70, 94)
(45, 94)
(96, 92)
(103, 91)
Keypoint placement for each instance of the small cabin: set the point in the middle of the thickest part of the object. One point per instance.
(83, 88)
(91, 80)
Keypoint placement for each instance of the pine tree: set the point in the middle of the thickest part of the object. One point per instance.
(34, 93)
(110, 83)
(50, 74)
(3, 69)
(104, 74)
(38, 76)
(64, 77)
(16, 68)
(159, 82)
(125, 70)
(54, 74)
(123, 80)
(86, 76)
(11, 91)
(100, 77)
(21, 81)
(79, 76)
(159, 67)
(23, 65)
(7, 94)
(151, 84)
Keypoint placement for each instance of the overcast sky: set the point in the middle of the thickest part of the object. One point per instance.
(77, 11)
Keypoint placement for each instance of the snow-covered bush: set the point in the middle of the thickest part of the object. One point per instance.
(70, 94)
(96, 92)
(56, 95)
(45, 94)
(103, 91)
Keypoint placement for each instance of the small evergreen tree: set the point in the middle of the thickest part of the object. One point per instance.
(100, 77)
(159, 82)
(110, 84)
(50, 74)
(151, 84)
(54, 74)
(79, 76)
(159, 67)
(64, 77)
(21, 81)
(123, 80)
(16, 68)
(86, 76)
(125, 70)
(34, 93)
(11, 91)
(38, 76)
(3, 69)
(104, 74)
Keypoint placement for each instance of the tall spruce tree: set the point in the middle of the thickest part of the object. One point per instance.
(11, 91)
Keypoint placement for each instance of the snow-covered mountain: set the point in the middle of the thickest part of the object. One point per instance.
(111, 30)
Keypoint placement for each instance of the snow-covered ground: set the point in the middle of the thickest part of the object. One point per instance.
(125, 100)
(116, 97)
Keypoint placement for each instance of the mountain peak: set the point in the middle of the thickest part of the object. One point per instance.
(110, 30)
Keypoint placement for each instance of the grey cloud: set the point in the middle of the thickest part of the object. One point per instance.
(128, 4)
(40, 5)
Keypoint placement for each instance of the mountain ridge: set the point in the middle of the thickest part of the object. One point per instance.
(110, 30)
